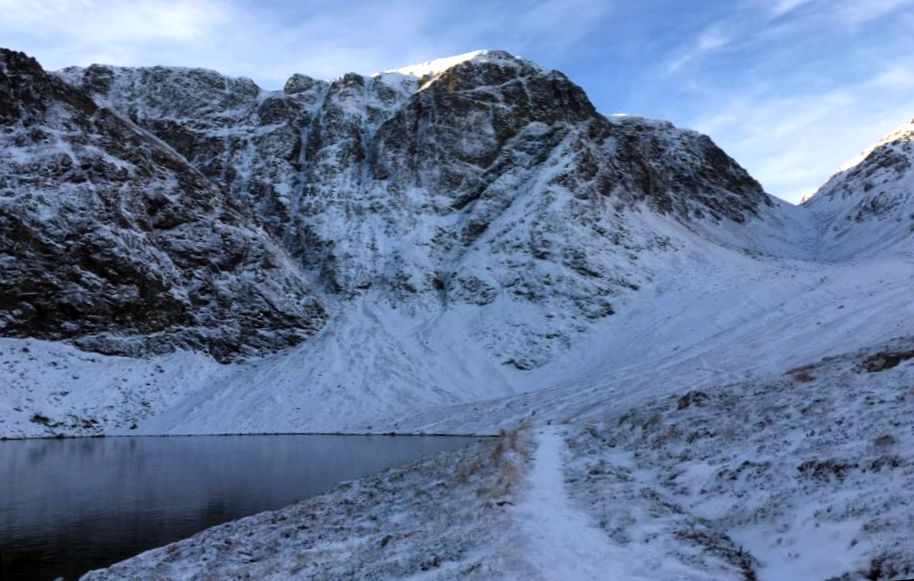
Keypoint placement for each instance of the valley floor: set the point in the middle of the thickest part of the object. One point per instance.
(740, 417)
(732, 318)
(806, 475)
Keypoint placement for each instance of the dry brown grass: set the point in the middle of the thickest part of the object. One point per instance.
(469, 468)
(509, 440)
(509, 457)
(802, 374)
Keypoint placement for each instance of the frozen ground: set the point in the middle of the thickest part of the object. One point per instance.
(805, 475)
(710, 314)
(701, 329)
(742, 418)
(49, 388)
(809, 473)
(497, 510)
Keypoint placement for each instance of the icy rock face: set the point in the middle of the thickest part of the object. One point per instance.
(869, 203)
(480, 180)
(244, 140)
(112, 240)
(684, 172)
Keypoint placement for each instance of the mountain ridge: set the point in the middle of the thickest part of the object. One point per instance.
(868, 204)
(151, 250)
(442, 161)
(478, 234)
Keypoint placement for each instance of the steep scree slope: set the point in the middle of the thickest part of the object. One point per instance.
(469, 224)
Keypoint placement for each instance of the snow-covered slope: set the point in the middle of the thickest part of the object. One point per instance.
(50, 387)
(868, 206)
(455, 247)
(469, 229)
(437, 66)
(807, 474)
(480, 180)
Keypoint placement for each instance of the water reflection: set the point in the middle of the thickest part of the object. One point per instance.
(68, 506)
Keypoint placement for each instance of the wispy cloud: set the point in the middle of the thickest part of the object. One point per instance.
(318, 37)
(856, 13)
(895, 76)
(709, 40)
(793, 143)
(559, 23)
(122, 22)
(802, 85)
(782, 7)
(79, 30)
(269, 41)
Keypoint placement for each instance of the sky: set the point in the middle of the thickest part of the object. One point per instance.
(789, 88)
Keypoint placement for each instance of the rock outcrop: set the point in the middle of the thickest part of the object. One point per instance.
(111, 239)
(456, 182)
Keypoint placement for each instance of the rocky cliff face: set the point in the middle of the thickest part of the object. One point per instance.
(110, 238)
(868, 205)
(459, 182)
(482, 181)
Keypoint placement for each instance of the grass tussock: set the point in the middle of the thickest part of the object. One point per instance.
(511, 455)
(504, 467)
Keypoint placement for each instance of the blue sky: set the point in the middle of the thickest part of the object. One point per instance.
(790, 88)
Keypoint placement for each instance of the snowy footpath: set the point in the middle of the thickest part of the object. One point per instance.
(804, 475)
(561, 542)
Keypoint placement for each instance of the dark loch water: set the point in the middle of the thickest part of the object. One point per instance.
(69, 506)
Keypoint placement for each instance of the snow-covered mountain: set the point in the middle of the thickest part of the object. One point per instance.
(110, 238)
(479, 180)
(456, 247)
(868, 204)
(462, 230)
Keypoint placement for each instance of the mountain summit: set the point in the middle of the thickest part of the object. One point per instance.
(481, 180)
(437, 66)
(868, 204)
(454, 231)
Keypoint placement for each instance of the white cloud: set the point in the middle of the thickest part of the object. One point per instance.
(895, 76)
(807, 85)
(115, 21)
(65, 32)
(782, 7)
(560, 23)
(711, 39)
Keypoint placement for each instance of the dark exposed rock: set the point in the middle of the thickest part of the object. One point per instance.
(111, 239)
(298, 83)
(826, 469)
(692, 398)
